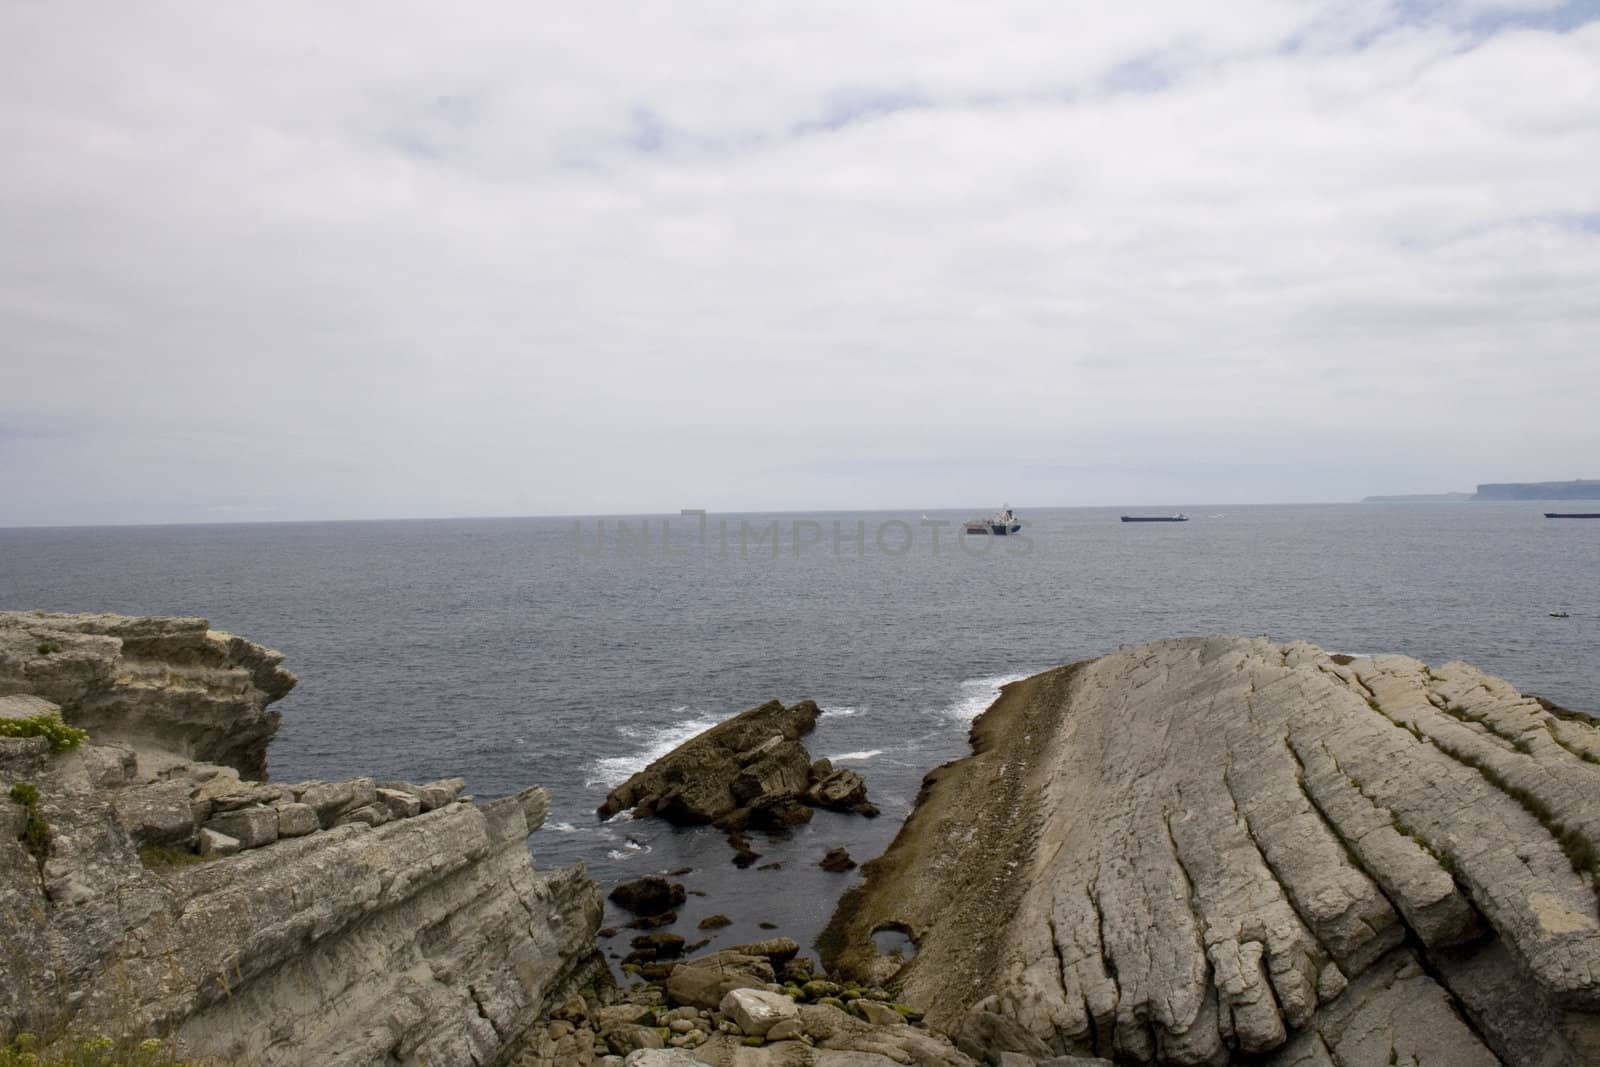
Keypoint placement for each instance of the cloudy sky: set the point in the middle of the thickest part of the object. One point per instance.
(316, 260)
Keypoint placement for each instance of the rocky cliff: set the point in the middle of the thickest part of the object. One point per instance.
(1225, 850)
(151, 884)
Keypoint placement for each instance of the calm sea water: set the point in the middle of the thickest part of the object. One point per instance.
(513, 652)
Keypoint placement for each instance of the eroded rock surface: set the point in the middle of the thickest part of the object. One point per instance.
(749, 772)
(343, 923)
(1210, 849)
(161, 683)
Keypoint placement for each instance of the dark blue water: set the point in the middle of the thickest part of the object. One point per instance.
(502, 651)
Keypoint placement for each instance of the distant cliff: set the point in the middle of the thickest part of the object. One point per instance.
(151, 886)
(1581, 489)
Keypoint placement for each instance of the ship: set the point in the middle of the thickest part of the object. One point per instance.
(1179, 517)
(1572, 514)
(998, 525)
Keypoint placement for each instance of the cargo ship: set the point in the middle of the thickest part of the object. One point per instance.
(1180, 517)
(1572, 514)
(999, 525)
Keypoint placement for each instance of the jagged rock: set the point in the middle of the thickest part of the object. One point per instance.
(169, 684)
(755, 1011)
(694, 783)
(703, 982)
(840, 790)
(714, 922)
(214, 845)
(665, 946)
(401, 803)
(837, 859)
(651, 895)
(622, 1040)
(296, 820)
(429, 939)
(1204, 849)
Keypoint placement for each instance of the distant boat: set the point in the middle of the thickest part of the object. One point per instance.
(1179, 517)
(1559, 615)
(1572, 514)
(998, 525)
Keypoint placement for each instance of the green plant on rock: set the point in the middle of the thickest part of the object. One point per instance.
(36, 832)
(48, 726)
(156, 856)
(47, 648)
(96, 1052)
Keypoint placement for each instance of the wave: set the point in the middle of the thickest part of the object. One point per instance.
(657, 742)
(856, 756)
(838, 713)
(562, 827)
(977, 694)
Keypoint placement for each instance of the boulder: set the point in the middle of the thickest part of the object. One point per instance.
(651, 895)
(837, 859)
(703, 982)
(840, 790)
(155, 814)
(296, 820)
(251, 827)
(694, 783)
(755, 1011)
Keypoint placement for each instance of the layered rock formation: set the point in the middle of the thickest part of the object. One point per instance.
(172, 894)
(750, 770)
(1213, 851)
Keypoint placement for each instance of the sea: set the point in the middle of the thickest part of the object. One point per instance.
(569, 652)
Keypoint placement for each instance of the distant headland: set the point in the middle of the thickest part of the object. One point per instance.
(1578, 489)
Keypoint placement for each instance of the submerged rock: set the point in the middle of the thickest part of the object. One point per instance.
(651, 895)
(1208, 850)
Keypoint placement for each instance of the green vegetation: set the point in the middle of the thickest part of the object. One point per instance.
(48, 648)
(97, 1052)
(49, 726)
(36, 834)
(155, 856)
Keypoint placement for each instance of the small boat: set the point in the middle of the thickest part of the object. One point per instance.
(1179, 517)
(1559, 615)
(1572, 514)
(998, 525)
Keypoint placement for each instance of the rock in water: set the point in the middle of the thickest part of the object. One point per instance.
(650, 895)
(261, 923)
(1203, 849)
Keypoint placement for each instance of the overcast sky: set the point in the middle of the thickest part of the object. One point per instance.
(377, 260)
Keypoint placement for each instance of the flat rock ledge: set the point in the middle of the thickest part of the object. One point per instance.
(748, 772)
(1225, 850)
(341, 923)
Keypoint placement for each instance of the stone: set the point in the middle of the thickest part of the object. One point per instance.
(297, 820)
(367, 815)
(836, 860)
(436, 795)
(155, 814)
(251, 827)
(662, 1058)
(1295, 859)
(714, 922)
(693, 784)
(703, 982)
(756, 1011)
(615, 1015)
(877, 1013)
(624, 1039)
(214, 844)
(664, 945)
(841, 790)
(401, 804)
(776, 949)
(651, 895)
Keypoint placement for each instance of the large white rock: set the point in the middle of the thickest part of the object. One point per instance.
(756, 1011)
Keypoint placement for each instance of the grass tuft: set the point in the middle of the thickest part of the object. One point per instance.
(48, 726)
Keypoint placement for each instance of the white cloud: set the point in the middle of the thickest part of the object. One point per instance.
(378, 260)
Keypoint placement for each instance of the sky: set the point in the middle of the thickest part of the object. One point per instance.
(359, 260)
